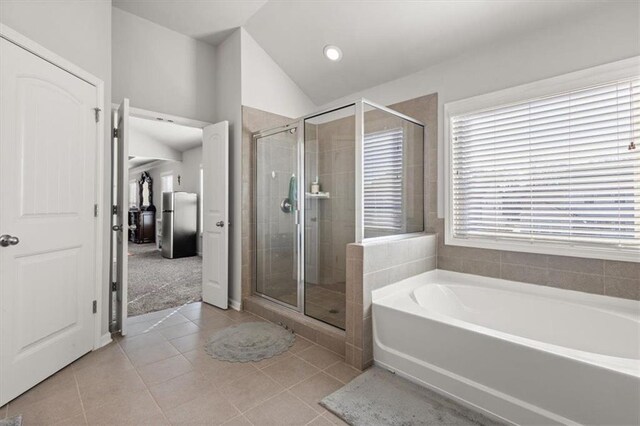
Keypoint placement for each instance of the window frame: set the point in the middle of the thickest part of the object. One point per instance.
(602, 74)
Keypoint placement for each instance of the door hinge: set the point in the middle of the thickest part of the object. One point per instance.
(115, 132)
(95, 210)
(95, 306)
(114, 286)
(97, 111)
(114, 209)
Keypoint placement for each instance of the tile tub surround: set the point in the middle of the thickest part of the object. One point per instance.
(606, 277)
(372, 265)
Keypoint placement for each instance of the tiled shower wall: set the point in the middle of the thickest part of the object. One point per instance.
(414, 170)
(336, 215)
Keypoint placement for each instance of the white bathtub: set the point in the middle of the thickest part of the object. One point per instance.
(526, 353)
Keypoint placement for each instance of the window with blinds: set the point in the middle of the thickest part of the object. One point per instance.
(383, 183)
(560, 169)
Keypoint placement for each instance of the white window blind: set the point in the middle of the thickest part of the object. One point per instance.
(561, 169)
(383, 193)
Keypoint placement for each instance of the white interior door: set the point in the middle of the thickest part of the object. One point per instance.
(48, 144)
(121, 227)
(215, 235)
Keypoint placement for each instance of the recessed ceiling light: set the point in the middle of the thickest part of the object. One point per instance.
(333, 53)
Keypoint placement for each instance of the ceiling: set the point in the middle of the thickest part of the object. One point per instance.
(140, 161)
(175, 136)
(380, 40)
(207, 20)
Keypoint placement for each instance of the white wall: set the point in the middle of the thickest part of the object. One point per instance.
(80, 32)
(266, 86)
(229, 107)
(246, 75)
(161, 70)
(188, 169)
(584, 42)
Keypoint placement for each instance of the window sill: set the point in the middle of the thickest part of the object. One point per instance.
(560, 249)
(395, 237)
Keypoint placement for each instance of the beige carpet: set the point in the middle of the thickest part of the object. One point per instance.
(156, 283)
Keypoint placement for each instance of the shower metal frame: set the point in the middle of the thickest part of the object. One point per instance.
(299, 125)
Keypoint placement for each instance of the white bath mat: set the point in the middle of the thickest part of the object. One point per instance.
(378, 397)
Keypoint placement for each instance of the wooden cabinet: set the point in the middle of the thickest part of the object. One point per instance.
(142, 226)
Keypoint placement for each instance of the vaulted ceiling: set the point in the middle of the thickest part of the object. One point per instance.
(380, 40)
(207, 20)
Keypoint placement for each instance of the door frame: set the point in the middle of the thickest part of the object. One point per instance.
(148, 115)
(40, 51)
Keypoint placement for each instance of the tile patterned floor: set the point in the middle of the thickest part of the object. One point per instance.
(159, 374)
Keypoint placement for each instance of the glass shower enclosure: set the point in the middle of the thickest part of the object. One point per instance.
(329, 179)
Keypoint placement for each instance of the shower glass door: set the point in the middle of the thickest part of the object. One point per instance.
(276, 198)
(329, 212)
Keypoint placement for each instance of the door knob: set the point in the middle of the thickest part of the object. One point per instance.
(8, 240)
(220, 224)
(116, 228)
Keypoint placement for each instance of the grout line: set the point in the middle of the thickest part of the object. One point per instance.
(314, 419)
(334, 377)
(146, 387)
(316, 371)
(84, 412)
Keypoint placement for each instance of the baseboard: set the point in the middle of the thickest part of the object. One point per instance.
(234, 304)
(105, 339)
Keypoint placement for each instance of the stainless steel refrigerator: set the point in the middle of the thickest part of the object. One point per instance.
(179, 224)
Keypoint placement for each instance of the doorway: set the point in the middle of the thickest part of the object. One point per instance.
(164, 167)
(164, 184)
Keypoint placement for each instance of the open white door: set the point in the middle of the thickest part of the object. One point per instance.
(48, 147)
(121, 227)
(215, 235)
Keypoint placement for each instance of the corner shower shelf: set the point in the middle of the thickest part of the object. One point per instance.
(319, 195)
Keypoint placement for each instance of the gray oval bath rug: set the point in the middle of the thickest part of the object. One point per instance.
(249, 341)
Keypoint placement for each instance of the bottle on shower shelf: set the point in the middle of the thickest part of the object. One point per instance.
(315, 186)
